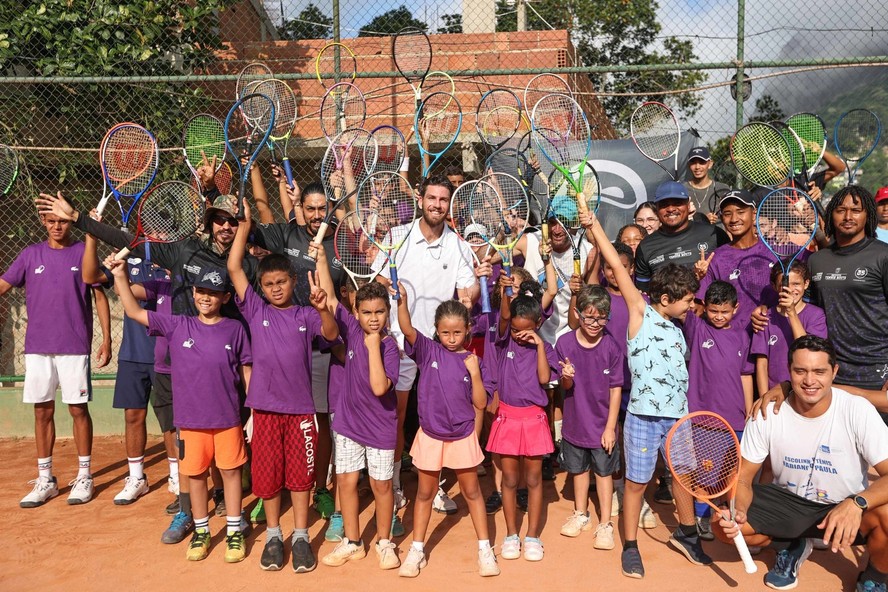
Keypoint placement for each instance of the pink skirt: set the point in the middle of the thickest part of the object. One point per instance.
(520, 431)
(430, 454)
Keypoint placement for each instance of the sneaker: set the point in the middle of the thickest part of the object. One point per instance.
(344, 552)
(173, 507)
(303, 559)
(272, 555)
(616, 503)
(690, 547)
(44, 490)
(324, 503)
(511, 548)
(81, 490)
(647, 519)
(869, 585)
(443, 504)
(199, 546)
(704, 528)
(179, 528)
(400, 500)
(576, 523)
(604, 536)
(521, 499)
(397, 526)
(414, 562)
(335, 529)
(387, 554)
(785, 573)
(219, 500)
(663, 494)
(257, 514)
(533, 549)
(548, 469)
(235, 550)
(487, 565)
(630, 563)
(493, 503)
(173, 485)
(133, 489)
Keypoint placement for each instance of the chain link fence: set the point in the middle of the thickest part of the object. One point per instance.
(71, 69)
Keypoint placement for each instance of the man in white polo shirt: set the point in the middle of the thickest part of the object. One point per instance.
(433, 265)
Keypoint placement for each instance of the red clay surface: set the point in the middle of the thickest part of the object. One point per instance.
(100, 546)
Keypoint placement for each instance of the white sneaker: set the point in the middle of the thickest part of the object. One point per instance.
(173, 485)
(646, 519)
(45, 488)
(133, 489)
(443, 504)
(487, 565)
(414, 562)
(400, 500)
(575, 524)
(511, 548)
(81, 490)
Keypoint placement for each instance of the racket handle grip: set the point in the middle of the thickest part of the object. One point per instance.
(322, 230)
(544, 228)
(393, 274)
(121, 254)
(748, 564)
(582, 206)
(288, 171)
(485, 296)
(508, 269)
(577, 269)
(102, 203)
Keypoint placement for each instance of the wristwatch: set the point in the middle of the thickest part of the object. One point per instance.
(859, 501)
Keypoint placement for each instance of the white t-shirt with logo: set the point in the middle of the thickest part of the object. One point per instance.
(823, 459)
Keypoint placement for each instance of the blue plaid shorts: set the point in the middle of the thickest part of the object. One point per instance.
(643, 435)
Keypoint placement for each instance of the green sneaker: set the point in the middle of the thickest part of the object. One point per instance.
(258, 513)
(324, 503)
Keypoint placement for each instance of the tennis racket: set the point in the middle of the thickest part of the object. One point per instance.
(656, 134)
(541, 85)
(129, 165)
(762, 155)
(285, 114)
(246, 136)
(497, 117)
(221, 179)
(250, 75)
(105, 195)
(499, 208)
(9, 168)
(349, 159)
(203, 138)
(564, 205)
(786, 222)
(703, 454)
(438, 81)
(856, 135)
(391, 148)
(799, 174)
(335, 62)
(812, 132)
(354, 250)
(170, 212)
(387, 211)
(470, 232)
(412, 53)
(437, 123)
(342, 107)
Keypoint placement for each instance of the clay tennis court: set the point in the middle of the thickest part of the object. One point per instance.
(100, 546)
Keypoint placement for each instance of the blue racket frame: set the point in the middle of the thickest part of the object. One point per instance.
(244, 169)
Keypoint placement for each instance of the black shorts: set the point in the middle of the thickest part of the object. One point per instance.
(781, 514)
(132, 389)
(163, 401)
(576, 459)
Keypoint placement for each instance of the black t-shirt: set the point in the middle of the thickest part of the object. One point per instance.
(851, 284)
(682, 248)
(292, 240)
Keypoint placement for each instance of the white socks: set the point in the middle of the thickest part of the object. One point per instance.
(136, 467)
(83, 466)
(44, 467)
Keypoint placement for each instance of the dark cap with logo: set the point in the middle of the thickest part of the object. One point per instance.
(212, 278)
(699, 153)
(740, 195)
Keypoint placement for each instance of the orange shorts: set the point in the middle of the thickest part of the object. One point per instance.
(198, 448)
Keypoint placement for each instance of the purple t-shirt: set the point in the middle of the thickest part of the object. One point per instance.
(485, 325)
(281, 341)
(444, 392)
(335, 377)
(160, 291)
(775, 339)
(519, 385)
(360, 415)
(205, 361)
(59, 304)
(587, 403)
(718, 358)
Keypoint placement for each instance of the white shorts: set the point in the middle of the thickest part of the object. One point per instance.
(406, 374)
(351, 457)
(320, 368)
(44, 373)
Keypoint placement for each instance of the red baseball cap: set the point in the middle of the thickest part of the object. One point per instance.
(882, 194)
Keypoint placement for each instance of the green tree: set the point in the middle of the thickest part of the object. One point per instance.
(452, 23)
(624, 33)
(311, 23)
(391, 22)
(767, 108)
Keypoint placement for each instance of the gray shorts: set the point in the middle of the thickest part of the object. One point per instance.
(320, 368)
(575, 459)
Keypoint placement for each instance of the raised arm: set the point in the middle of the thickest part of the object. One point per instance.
(404, 317)
(634, 301)
(290, 197)
(260, 196)
(121, 283)
(57, 205)
(237, 253)
(325, 280)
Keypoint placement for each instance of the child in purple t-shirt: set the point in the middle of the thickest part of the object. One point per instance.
(212, 354)
(520, 431)
(451, 386)
(791, 318)
(284, 436)
(591, 406)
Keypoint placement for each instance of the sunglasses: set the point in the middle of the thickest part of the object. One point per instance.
(222, 220)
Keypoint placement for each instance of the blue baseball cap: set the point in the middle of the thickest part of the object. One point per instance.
(670, 190)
